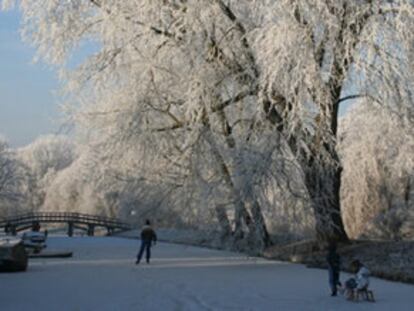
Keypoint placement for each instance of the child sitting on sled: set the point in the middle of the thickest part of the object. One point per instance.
(359, 283)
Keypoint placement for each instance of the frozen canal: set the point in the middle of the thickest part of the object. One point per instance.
(102, 276)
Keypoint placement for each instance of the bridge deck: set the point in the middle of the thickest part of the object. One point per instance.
(64, 217)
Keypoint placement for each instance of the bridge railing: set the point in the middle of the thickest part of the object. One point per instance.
(81, 218)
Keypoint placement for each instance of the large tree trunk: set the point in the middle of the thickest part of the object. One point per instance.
(324, 190)
(322, 180)
(223, 170)
(258, 230)
(223, 221)
(242, 218)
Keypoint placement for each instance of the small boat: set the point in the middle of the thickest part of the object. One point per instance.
(52, 254)
(13, 256)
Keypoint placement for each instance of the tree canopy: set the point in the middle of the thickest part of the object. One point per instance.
(226, 103)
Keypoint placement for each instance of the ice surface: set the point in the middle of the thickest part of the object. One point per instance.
(102, 276)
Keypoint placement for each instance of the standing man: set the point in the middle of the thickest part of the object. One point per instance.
(147, 237)
(334, 266)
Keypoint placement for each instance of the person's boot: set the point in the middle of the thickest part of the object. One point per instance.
(137, 262)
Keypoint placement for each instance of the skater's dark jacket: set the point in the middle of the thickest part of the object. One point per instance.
(148, 234)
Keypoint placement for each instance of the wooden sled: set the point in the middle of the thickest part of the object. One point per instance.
(365, 294)
(362, 294)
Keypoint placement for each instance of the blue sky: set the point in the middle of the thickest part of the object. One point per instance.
(28, 106)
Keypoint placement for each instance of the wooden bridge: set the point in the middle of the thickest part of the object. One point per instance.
(84, 222)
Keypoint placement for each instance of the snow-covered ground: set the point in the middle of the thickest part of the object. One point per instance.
(102, 276)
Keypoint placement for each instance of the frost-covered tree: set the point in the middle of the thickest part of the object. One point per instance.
(229, 99)
(73, 190)
(377, 193)
(96, 184)
(12, 178)
(43, 159)
(6, 171)
(50, 152)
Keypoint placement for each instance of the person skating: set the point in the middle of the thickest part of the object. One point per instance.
(148, 238)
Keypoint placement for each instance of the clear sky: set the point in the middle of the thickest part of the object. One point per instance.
(28, 106)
